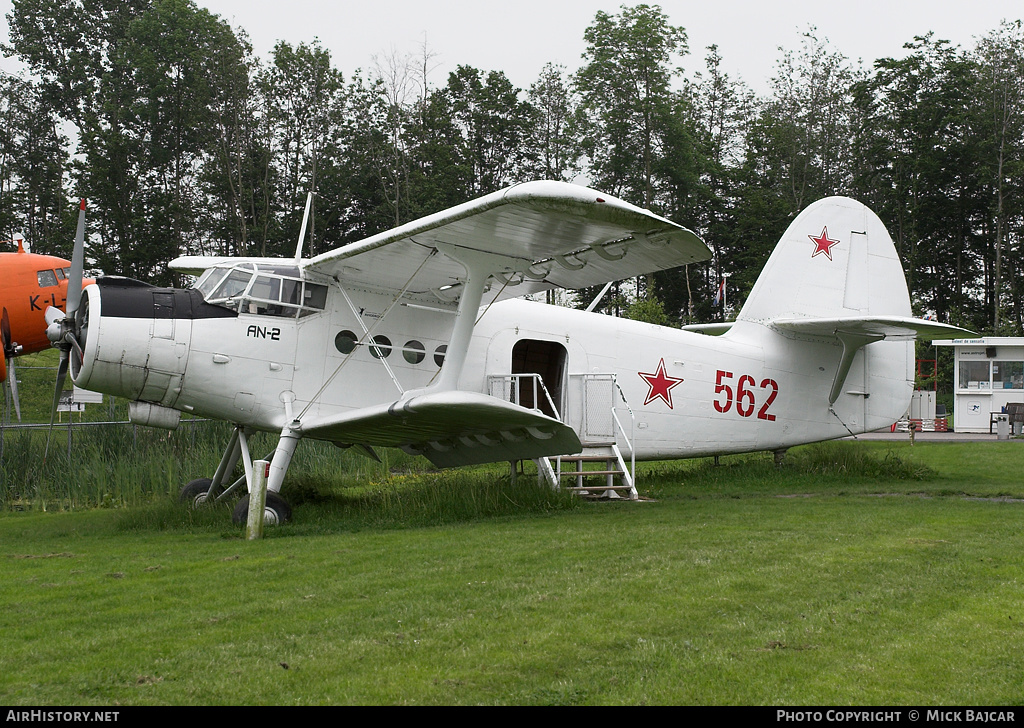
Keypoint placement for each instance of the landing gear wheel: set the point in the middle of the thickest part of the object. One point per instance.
(275, 511)
(196, 493)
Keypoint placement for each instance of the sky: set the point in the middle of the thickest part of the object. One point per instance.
(519, 37)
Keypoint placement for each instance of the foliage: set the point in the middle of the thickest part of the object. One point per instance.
(186, 143)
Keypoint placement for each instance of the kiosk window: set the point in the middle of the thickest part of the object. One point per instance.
(1008, 375)
(974, 375)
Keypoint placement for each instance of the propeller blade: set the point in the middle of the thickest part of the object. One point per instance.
(12, 378)
(62, 373)
(5, 330)
(9, 349)
(77, 263)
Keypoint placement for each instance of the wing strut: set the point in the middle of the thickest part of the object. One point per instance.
(479, 266)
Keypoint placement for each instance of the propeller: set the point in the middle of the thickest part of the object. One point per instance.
(10, 350)
(65, 329)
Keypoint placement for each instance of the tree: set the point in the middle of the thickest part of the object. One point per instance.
(137, 79)
(33, 165)
(1001, 65)
(625, 92)
(495, 125)
(306, 101)
(921, 123)
(554, 144)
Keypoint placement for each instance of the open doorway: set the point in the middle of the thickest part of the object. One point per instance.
(546, 359)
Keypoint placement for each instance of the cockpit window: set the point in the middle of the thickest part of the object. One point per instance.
(315, 296)
(263, 290)
(46, 278)
(291, 291)
(233, 285)
(209, 280)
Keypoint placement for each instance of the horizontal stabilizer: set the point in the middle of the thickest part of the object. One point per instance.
(451, 428)
(857, 331)
(876, 327)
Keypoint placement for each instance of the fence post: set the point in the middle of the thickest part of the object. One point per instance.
(257, 500)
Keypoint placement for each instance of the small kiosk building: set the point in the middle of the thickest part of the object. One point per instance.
(988, 375)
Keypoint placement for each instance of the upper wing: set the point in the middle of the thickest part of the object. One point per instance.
(451, 428)
(548, 234)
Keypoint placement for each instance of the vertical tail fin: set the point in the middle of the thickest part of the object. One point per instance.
(836, 259)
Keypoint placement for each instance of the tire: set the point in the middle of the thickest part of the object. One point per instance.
(195, 493)
(276, 510)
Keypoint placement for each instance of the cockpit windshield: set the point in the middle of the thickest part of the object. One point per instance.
(266, 290)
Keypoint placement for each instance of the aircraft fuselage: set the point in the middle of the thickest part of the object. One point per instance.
(675, 393)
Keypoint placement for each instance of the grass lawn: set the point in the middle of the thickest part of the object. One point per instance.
(857, 574)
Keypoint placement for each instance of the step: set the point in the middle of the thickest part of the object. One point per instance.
(599, 487)
(584, 473)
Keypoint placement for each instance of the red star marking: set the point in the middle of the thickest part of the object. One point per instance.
(823, 244)
(661, 385)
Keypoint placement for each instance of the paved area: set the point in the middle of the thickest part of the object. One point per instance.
(932, 436)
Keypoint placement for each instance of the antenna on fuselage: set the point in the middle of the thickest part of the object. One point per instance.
(302, 231)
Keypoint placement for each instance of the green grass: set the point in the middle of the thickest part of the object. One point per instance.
(856, 574)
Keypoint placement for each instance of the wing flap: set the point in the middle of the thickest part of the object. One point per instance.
(451, 428)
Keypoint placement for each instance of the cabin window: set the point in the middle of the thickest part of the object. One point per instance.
(345, 342)
(381, 347)
(46, 278)
(291, 291)
(413, 352)
(209, 280)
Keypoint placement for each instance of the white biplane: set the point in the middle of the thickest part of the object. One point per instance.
(418, 338)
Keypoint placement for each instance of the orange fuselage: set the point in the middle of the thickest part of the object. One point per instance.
(28, 284)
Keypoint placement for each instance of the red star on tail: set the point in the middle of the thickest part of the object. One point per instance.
(823, 244)
(661, 385)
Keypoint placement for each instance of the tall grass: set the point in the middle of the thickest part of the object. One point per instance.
(119, 466)
(123, 465)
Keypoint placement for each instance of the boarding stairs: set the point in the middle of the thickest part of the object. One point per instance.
(599, 470)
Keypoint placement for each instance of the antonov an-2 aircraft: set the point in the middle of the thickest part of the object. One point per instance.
(418, 338)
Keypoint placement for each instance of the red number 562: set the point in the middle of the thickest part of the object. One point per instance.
(744, 398)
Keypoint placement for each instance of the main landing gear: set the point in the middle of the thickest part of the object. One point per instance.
(276, 510)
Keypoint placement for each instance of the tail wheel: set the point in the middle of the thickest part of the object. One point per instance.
(276, 510)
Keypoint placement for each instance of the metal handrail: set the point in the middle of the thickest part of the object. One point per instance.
(627, 438)
(514, 390)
